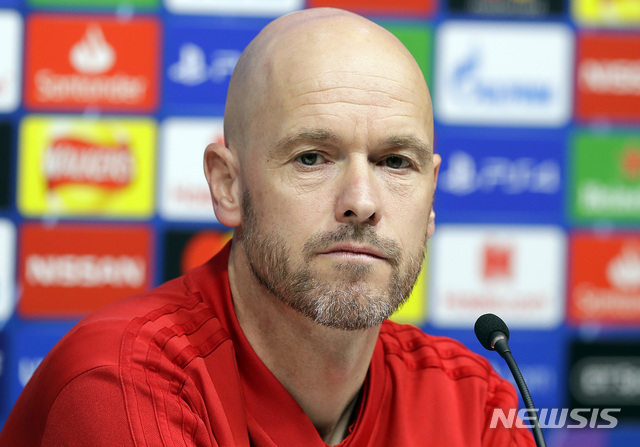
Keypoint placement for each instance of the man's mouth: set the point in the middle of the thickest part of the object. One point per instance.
(355, 251)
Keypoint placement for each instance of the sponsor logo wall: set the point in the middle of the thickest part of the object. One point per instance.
(516, 8)
(10, 59)
(606, 13)
(6, 137)
(106, 108)
(7, 270)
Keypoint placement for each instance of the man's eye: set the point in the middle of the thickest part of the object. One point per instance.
(310, 159)
(396, 162)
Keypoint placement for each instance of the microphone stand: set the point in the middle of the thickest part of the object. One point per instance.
(501, 345)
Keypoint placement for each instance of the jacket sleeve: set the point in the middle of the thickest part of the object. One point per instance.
(502, 426)
(91, 411)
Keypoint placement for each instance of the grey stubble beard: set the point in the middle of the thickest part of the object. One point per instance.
(349, 305)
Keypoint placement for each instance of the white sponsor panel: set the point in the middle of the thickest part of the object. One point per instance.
(255, 8)
(515, 272)
(184, 193)
(10, 59)
(7, 269)
(491, 73)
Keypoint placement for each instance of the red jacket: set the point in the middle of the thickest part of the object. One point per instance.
(171, 367)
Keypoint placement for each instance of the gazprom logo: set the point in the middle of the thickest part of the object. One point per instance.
(496, 73)
(468, 84)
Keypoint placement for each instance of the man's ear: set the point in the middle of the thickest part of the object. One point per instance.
(437, 160)
(221, 169)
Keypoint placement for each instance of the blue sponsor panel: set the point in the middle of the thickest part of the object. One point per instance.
(199, 58)
(4, 405)
(510, 176)
(23, 346)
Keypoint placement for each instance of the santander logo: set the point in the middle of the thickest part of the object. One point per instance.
(624, 270)
(77, 61)
(92, 55)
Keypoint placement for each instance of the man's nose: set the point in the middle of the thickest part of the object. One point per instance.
(358, 195)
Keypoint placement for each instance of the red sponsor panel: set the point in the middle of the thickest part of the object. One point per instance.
(608, 77)
(422, 7)
(70, 270)
(77, 61)
(604, 278)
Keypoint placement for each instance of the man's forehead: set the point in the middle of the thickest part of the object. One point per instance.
(313, 57)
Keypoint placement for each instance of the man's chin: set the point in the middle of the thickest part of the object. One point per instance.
(352, 272)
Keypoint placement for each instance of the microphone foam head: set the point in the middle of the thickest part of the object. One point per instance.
(486, 326)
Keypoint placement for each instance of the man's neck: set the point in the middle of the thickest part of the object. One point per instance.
(322, 368)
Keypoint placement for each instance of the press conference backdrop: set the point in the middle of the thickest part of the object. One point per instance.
(106, 107)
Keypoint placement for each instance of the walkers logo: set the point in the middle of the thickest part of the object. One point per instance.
(606, 374)
(6, 165)
(608, 77)
(7, 270)
(79, 61)
(516, 273)
(77, 166)
(258, 8)
(84, 4)
(504, 74)
(605, 288)
(606, 176)
(410, 7)
(606, 12)
(184, 194)
(522, 8)
(10, 60)
(69, 270)
(488, 177)
(199, 61)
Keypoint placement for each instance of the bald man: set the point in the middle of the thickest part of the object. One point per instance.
(282, 339)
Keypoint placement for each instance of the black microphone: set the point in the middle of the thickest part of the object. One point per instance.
(493, 334)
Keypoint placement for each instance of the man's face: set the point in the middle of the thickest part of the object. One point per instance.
(339, 179)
